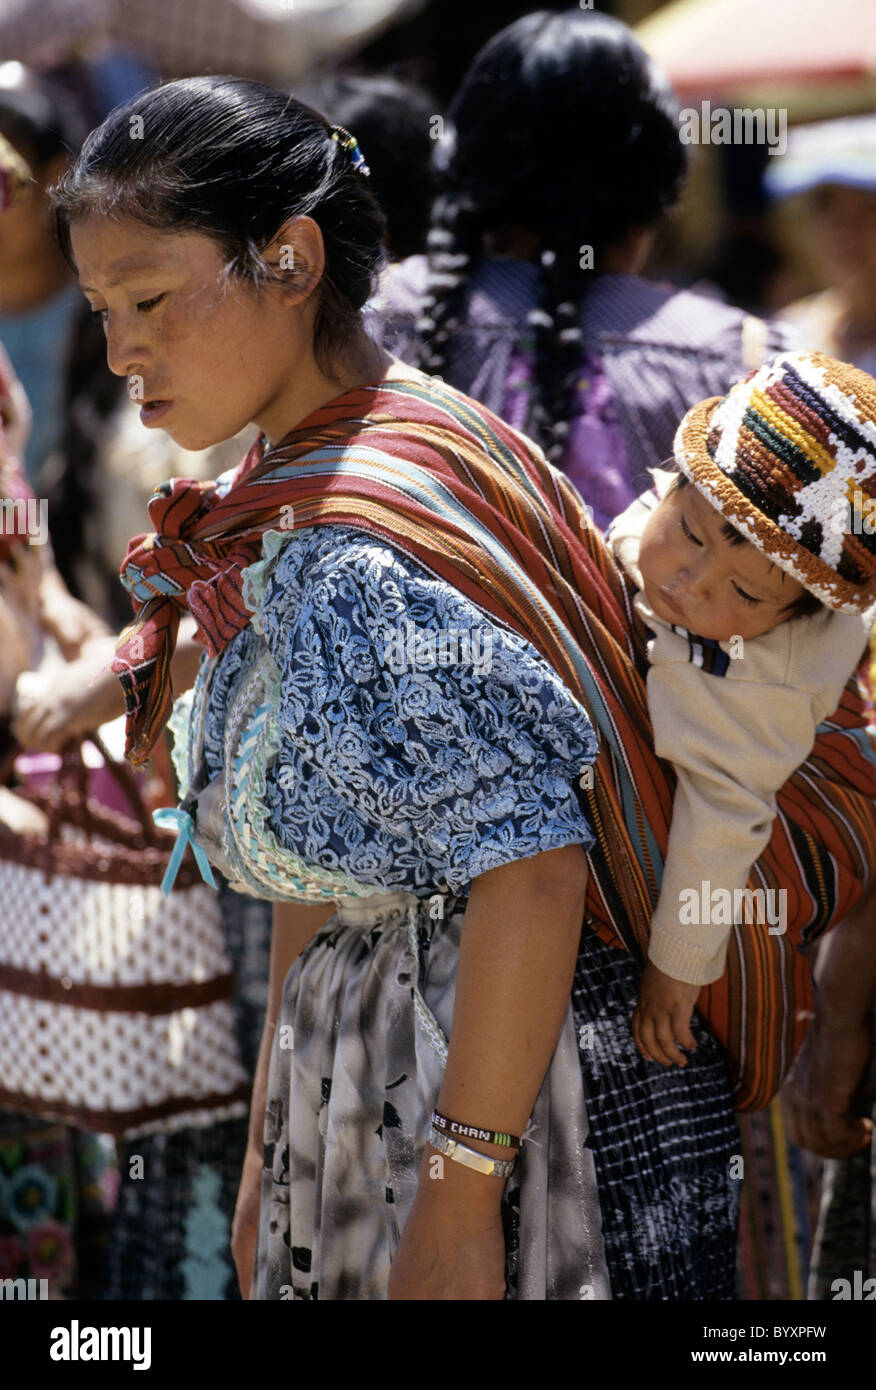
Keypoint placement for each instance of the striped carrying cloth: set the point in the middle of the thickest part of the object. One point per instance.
(428, 469)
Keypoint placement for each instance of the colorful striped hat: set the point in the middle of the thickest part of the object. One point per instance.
(789, 458)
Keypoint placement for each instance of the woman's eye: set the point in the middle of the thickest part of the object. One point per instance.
(143, 307)
(746, 598)
(687, 531)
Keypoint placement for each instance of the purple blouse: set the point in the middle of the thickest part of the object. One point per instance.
(649, 352)
(595, 458)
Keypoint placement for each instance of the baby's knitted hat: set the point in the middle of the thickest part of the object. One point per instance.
(789, 458)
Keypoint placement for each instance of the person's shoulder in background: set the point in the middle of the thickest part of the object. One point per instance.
(400, 288)
(499, 294)
(629, 309)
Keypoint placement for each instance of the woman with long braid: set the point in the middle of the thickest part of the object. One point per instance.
(559, 159)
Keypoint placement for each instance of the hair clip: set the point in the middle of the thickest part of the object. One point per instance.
(351, 145)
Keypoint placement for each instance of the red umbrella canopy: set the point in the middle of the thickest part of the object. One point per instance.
(717, 45)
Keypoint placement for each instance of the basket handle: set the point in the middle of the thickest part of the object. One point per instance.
(129, 785)
(72, 761)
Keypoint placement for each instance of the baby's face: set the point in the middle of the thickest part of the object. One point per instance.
(695, 578)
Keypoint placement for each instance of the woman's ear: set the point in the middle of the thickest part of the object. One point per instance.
(297, 254)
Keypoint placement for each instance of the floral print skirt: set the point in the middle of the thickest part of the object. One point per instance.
(355, 1072)
(628, 1189)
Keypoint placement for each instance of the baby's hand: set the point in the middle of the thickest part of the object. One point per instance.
(662, 1016)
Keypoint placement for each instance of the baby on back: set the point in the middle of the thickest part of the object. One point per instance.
(756, 578)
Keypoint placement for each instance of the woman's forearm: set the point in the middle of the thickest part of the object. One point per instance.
(821, 1093)
(294, 925)
(105, 689)
(516, 962)
(72, 623)
(514, 974)
(846, 969)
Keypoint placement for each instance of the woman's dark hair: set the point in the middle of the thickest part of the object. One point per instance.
(563, 126)
(800, 607)
(391, 121)
(233, 160)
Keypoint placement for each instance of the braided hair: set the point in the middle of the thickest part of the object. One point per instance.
(562, 126)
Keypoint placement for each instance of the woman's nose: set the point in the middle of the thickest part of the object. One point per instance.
(125, 350)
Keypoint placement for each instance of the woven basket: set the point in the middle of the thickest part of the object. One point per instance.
(115, 1001)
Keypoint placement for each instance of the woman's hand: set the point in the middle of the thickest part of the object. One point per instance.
(51, 708)
(662, 1017)
(245, 1226)
(79, 697)
(72, 623)
(452, 1248)
(819, 1092)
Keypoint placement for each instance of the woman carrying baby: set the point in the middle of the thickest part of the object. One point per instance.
(413, 636)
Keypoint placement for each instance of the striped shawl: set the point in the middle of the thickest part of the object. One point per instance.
(429, 470)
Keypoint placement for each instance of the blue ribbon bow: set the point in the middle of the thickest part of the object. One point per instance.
(172, 818)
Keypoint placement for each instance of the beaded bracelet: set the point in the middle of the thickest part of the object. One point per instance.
(486, 1136)
(490, 1167)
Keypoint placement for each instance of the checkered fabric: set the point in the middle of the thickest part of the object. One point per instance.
(151, 1061)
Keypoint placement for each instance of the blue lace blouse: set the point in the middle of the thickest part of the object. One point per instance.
(416, 742)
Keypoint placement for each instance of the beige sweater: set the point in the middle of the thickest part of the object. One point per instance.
(734, 741)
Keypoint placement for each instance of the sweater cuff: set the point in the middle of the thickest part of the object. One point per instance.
(683, 960)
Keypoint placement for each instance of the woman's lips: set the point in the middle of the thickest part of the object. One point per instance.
(153, 411)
